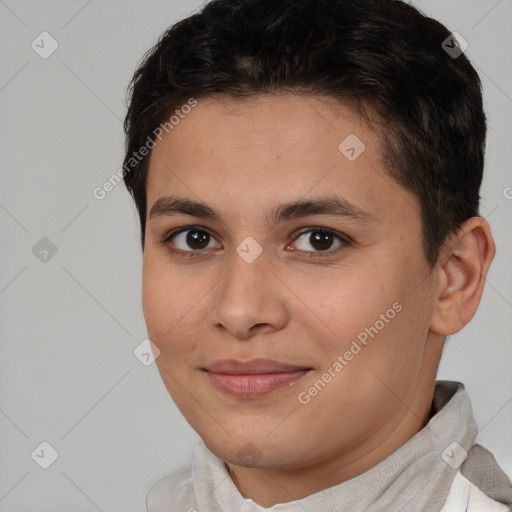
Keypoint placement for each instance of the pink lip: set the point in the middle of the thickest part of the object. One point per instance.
(257, 377)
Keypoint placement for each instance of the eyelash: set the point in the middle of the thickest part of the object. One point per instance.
(346, 241)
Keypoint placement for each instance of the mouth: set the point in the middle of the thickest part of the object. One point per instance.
(253, 378)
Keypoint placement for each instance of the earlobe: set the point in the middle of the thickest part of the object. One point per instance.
(463, 266)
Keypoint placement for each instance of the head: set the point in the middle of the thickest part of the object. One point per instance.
(308, 193)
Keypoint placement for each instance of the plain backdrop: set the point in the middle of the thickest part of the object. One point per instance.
(70, 282)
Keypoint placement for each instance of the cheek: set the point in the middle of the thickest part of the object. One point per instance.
(160, 302)
(372, 319)
(171, 308)
(346, 306)
(152, 302)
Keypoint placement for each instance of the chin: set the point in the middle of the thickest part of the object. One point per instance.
(255, 452)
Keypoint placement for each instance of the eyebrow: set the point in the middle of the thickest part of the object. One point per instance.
(331, 205)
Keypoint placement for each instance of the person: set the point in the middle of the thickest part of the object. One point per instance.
(307, 177)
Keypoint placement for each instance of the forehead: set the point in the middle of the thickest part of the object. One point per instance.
(289, 124)
(272, 148)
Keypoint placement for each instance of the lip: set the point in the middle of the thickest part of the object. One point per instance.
(253, 378)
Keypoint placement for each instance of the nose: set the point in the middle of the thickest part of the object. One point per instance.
(250, 299)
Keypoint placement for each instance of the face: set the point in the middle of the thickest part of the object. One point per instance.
(302, 251)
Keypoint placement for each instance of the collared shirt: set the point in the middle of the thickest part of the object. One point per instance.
(439, 469)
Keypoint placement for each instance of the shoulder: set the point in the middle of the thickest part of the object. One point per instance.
(174, 489)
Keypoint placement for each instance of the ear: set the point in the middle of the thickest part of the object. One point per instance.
(462, 268)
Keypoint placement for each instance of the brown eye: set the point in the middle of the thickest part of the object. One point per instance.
(321, 240)
(197, 239)
(189, 240)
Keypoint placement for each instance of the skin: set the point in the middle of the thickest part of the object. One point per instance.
(244, 157)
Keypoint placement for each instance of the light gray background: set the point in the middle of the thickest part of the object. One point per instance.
(69, 326)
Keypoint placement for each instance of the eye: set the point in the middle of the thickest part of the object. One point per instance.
(322, 240)
(188, 238)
